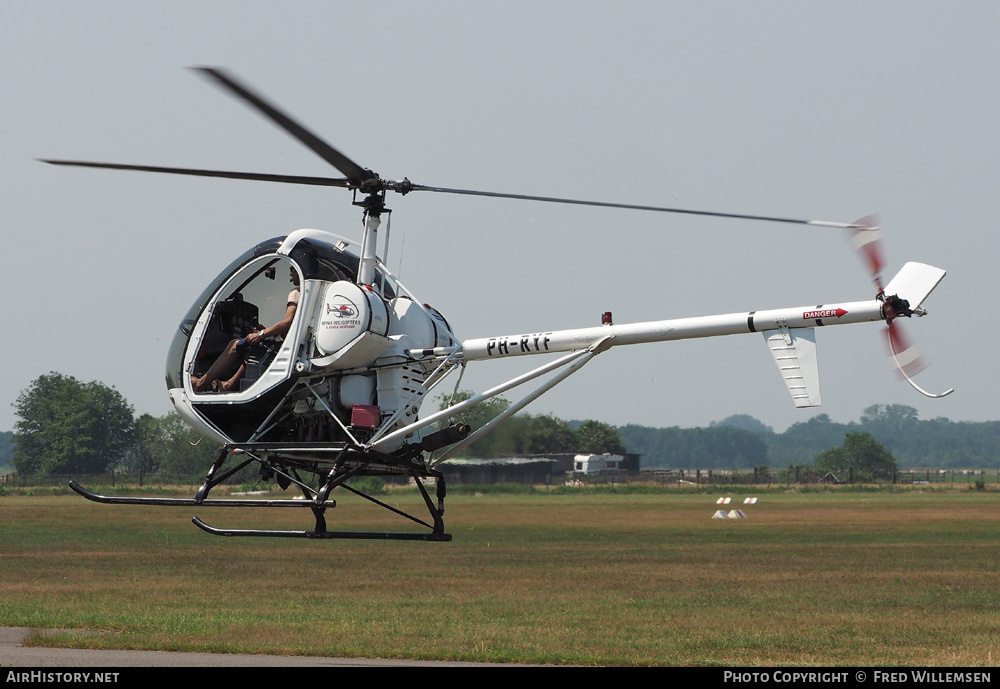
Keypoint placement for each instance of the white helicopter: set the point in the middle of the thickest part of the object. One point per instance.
(336, 394)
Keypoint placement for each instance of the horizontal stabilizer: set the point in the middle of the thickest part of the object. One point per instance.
(794, 351)
(914, 282)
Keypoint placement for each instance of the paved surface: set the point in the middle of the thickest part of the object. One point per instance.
(13, 654)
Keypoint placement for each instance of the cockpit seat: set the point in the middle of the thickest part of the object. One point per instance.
(232, 319)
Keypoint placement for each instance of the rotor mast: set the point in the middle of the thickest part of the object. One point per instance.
(374, 206)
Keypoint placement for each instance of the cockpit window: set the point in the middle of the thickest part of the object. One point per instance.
(175, 356)
(259, 298)
(249, 317)
(251, 296)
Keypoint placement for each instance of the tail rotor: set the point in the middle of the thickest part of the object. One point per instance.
(866, 236)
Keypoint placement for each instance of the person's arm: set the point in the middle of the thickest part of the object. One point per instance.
(279, 329)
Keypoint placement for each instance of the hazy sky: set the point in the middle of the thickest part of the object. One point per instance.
(825, 110)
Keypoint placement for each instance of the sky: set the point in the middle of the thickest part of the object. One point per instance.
(819, 110)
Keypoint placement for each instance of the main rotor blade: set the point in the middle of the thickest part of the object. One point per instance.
(629, 206)
(354, 172)
(869, 247)
(262, 177)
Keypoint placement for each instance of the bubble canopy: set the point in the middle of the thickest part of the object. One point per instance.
(263, 285)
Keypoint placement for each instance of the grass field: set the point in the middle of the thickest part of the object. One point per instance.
(810, 578)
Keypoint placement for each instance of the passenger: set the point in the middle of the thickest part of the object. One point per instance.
(220, 377)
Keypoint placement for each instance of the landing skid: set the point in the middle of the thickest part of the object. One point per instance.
(194, 502)
(348, 464)
(349, 535)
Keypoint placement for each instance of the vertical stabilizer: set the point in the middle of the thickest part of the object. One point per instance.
(794, 351)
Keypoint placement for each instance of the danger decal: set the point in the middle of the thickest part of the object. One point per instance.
(825, 313)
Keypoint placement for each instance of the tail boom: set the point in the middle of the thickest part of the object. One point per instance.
(678, 329)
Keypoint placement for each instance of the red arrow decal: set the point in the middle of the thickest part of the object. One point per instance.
(826, 313)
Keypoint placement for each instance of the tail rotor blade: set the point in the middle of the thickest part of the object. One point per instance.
(905, 355)
(908, 360)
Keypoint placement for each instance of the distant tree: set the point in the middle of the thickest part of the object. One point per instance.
(68, 427)
(804, 440)
(546, 434)
(140, 459)
(479, 414)
(834, 460)
(745, 422)
(173, 448)
(6, 449)
(594, 437)
(868, 458)
(889, 420)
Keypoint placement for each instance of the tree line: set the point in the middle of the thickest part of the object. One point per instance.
(739, 442)
(66, 427)
(529, 434)
(743, 442)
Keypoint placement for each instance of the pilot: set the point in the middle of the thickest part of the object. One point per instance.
(220, 377)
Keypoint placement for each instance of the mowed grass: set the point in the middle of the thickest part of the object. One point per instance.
(814, 578)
